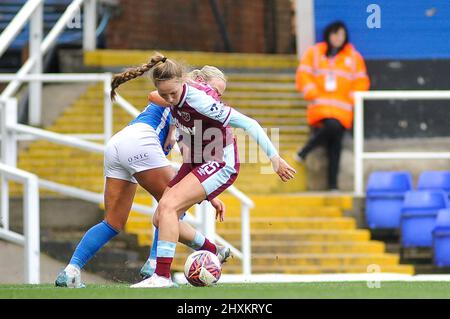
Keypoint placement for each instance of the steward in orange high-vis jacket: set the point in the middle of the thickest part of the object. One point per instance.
(328, 83)
(328, 75)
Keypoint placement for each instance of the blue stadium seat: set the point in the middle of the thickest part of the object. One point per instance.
(439, 180)
(384, 198)
(441, 239)
(418, 217)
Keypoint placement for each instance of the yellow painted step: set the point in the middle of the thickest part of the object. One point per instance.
(52, 153)
(300, 200)
(343, 223)
(64, 171)
(286, 211)
(227, 60)
(144, 238)
(311, 270)
(324, 260)
(331, 261)
(300, 247)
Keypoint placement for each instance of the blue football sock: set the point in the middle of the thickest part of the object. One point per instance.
(94, 239)
(154, 244)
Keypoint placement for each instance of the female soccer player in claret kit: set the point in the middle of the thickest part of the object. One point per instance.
(213, 164)
(151, 136)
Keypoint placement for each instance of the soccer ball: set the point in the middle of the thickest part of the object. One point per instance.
(202, 268)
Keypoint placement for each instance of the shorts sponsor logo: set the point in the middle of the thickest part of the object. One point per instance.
(208, 168)
(138, 158)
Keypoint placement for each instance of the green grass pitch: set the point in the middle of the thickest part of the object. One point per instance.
(238, 291)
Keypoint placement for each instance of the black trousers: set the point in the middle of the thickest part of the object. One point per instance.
(330, 135)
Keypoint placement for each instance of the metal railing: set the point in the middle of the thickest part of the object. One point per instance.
(361, 155)
(30, 238)
(38, 46)
(105, 78)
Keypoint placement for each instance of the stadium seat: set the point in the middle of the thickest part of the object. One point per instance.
(441, 239)
(418, 217)
(384, 198)
(439, 180)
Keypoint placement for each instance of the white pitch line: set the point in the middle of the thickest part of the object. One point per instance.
(282, 278)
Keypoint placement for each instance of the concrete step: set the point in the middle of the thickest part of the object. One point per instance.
(260, 77)
(275, 223)
(63, 171)
(70, 162)
(91, 106)
(233, 210)
(62, 152)
(272, 113)
(321, 260)
(137, 93)
(267, 104)
(261, 87)
(308, 200)
(300, 247)
(121, 58)
(92, 122)
(361, 235)
(310, 270)
(68, 127)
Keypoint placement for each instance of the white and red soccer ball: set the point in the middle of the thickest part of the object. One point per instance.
(202, 268)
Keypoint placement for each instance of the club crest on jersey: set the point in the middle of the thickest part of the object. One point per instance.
(185, 116)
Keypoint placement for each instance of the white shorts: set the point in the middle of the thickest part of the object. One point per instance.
(134, 149)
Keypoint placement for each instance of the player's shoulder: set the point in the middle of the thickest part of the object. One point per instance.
(197, 97)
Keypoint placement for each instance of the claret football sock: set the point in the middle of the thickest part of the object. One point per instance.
(209, 246)
(94, 239)
(164, 257)
(200, 242)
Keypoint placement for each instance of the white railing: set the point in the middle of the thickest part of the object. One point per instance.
(12, 132)
(105, 78)
(30, 238)
(361, 155)
(33, 11)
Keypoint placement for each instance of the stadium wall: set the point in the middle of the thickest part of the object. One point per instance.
(413, 118)
(261, 26)
(409, 49)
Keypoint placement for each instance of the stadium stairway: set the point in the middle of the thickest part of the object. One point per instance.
(292, 232)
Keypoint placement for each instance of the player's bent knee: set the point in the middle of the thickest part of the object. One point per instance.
(117, 225)
(165, 206)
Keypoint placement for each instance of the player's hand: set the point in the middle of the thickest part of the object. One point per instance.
(220, 209)
(282, 168)
(169, 143)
